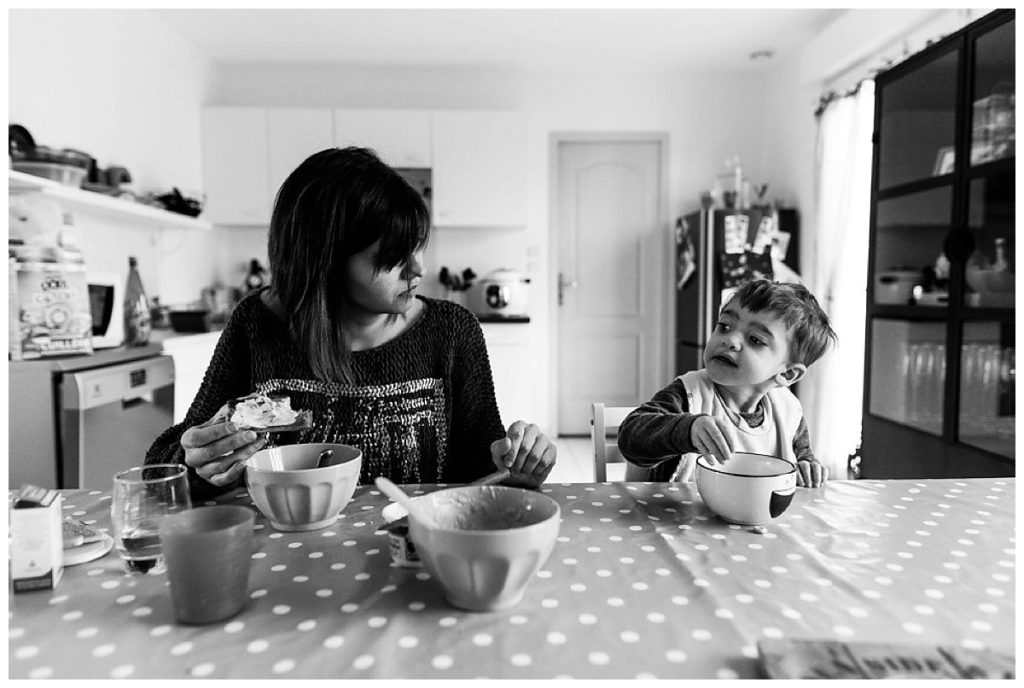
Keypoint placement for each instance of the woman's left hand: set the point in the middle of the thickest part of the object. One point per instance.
(527, 453)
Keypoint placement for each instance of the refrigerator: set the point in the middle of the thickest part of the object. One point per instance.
(718, 249)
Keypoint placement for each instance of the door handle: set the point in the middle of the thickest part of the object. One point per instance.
(564, 284)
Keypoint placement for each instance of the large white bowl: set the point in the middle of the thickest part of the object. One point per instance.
(490, 542)
(749, 489)
(293, 493)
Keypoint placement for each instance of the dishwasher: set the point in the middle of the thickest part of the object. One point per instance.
(75, 422)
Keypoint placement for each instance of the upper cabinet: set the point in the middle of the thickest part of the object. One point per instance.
(400, 137)
(479, 170)
(236, 165)
(477, 159)
(293, 134)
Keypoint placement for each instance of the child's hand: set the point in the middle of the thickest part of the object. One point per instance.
(707, 434)
(810, 474)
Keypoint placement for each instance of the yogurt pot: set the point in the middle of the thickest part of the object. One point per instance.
(396, 525)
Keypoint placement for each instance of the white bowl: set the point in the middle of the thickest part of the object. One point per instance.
(293, 493)
(490, 542)
(749, 489)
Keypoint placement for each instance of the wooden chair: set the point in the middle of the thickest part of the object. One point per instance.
(604, 432)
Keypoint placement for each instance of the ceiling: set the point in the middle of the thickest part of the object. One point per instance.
(661, 41)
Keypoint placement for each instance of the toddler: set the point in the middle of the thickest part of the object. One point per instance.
(767, 335)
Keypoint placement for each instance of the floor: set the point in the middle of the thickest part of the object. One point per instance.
(575, 462)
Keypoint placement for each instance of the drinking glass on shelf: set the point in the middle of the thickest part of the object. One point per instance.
(142, 497)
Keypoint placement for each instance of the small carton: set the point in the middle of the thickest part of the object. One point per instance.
(37, 539)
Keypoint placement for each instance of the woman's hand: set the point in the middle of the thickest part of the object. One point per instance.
(216, 449)
(707, 435)
(527, 453)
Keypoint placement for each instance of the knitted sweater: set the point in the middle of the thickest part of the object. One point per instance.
(421, 408)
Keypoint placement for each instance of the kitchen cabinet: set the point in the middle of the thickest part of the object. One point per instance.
(400, 137)
(236, 159)
(479, 168)
(293, 134)
(192, 355)
(940, 348)
(508, 349)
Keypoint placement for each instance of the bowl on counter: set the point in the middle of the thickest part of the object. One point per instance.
(294, 492)
(489, 542)
(748, 489)
(190, 320)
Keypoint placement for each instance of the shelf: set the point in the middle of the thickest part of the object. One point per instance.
(72, 198)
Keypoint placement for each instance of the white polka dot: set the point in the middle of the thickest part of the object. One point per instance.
(363, 662)
(109, 585)
(603, 573)
(257, 646)
(989, 608)
(640, 586)
(202, 670)
(790, 613)
(307, 625)
(447, 621)
(324, 593)
(934, 594)
(482, 639)
(680, 600)
(549, 603)
(256, 594)
(125, 599)
(234, 626)
(278, 567)
(599, 658)
(87, 632)
(588, 619)
(744, 598)
(726, 673)
(300, 579)
(771, 632)
(629, 636)
(701, 634)
(259, 555)
(675, 656)
(104, 650)
(181, 648)
(442, 662)
(72, 616)
(521, 660)
(924, 609)
(41, 672)
(616, 602)
(556, 638)
(911, 627)
(656, 617)
(315, 555)
(349, 607)
(160, 630)
(981, 626)
(27, 652)
(377, 621)
(281, 609)
(844, 631)
(858, 612)
(408, 642)
(578, 587)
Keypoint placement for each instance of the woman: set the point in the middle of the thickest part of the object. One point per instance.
(341, 331)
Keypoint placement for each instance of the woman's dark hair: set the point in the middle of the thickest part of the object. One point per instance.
(335, 204)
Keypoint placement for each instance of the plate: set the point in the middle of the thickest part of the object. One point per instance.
(90, 551)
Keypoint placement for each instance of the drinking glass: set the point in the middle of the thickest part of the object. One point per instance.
(142, 497)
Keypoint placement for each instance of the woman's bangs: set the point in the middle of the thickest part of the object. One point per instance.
(408, 233)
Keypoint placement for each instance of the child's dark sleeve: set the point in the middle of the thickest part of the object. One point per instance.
(659, 429)
(802, 444)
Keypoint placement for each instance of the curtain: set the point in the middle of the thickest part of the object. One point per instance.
(832, 391)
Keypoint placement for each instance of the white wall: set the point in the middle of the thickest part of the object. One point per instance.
(123, 87)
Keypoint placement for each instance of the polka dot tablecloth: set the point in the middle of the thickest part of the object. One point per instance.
(643, 582)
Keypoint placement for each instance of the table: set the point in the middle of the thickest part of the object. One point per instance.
(643, 582)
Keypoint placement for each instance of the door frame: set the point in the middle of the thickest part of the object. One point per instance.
(665, 315)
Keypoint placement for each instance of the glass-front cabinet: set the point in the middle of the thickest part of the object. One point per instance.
(940, 351)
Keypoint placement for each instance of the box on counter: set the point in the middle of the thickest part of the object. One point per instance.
(49, 311)
(37, 539)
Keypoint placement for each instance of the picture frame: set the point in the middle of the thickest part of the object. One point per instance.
(944, 161)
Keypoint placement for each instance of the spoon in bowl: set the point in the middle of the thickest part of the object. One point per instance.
(414, 510)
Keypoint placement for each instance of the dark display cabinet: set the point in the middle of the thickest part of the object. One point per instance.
(940, 349)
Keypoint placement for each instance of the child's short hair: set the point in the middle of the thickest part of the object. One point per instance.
(810, 333)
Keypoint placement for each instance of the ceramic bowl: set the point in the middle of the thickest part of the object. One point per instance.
(748, 489)
(293, 493)
(489, 543)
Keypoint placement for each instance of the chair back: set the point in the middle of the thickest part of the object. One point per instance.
(604, 434)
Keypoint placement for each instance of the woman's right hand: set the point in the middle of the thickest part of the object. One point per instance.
(217, 448)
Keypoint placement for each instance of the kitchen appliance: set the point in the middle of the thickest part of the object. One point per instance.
(717, 249)
(501, 294)
(76, 421)
(106, 301)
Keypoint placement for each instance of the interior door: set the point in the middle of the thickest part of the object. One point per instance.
(611, 267)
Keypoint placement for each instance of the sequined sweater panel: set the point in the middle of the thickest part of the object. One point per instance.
(421, 408)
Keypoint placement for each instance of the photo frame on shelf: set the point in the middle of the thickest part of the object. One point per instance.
(944, 161)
